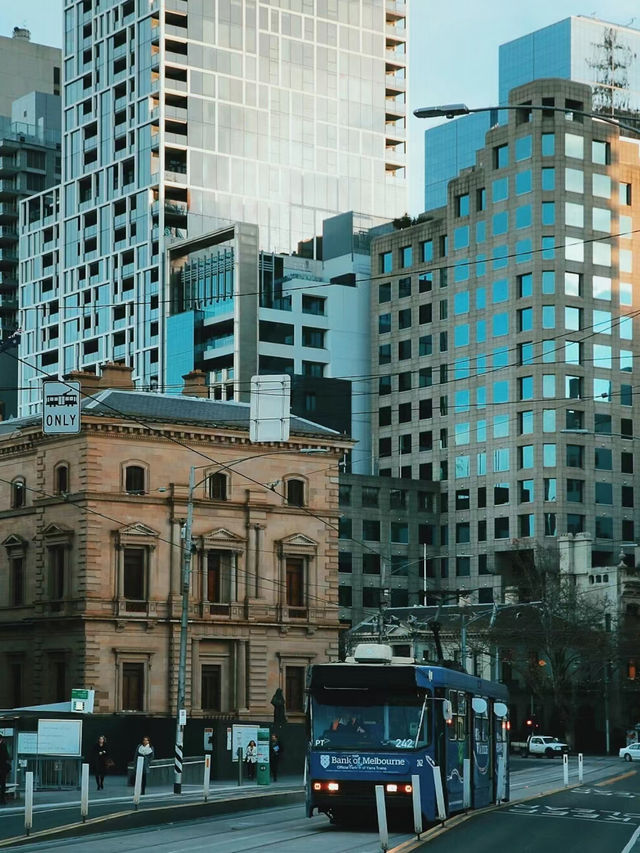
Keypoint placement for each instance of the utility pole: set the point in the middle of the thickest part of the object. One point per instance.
(184, 622)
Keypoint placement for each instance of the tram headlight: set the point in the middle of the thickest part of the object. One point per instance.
(392, 789)
(408, 789)
(317, 786)
(333, 786)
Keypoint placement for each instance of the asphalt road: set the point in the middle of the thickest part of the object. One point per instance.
(601, 817)
(551, 823)
(285, 830)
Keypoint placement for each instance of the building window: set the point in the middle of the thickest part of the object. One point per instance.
(211, 687)
(312, 337)
(294, 688)
(57, 572)
(295, 492)
(134, 480)
(134, 580)
(18, 493)
(61, 477)
(17, 581)
(371, 596)
(344, 596)
(133, 686)
(219, 576)
(370, 530)
(217, 486)
(295, 586)
(345, 562)
(58, 680)
(371, 564)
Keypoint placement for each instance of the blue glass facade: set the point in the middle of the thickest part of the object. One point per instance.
(603, 55)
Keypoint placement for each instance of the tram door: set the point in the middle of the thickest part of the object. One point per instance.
(482, 767)
(457, 749)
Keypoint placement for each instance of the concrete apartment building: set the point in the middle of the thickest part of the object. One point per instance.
(26, 67)
(91, 555)
(238, 310)
(387, 527)
(604, 55)
(505, 342)
(182, 118)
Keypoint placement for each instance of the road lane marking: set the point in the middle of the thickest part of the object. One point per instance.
(615, 778)
(631, 842)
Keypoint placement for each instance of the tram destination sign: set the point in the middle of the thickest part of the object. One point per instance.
(60, 407)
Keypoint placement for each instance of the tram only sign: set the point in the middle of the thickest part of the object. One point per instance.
(60, 407)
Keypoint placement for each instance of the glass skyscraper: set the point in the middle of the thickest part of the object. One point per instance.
(181, 116)
(605, 56)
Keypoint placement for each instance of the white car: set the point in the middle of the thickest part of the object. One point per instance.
(631, 752)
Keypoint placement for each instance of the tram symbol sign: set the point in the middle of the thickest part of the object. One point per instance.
(60, 407)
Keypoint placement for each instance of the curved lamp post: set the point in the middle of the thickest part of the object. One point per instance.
(455, 110)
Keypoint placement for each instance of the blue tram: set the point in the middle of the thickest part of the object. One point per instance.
(378, 720)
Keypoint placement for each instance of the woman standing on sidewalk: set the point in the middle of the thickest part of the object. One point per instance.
(100, 761)
(251, 758)
(145, 751)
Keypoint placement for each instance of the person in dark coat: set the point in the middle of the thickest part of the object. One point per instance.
(5, 769)
(275, 753)
(100, 757)
(146, 751)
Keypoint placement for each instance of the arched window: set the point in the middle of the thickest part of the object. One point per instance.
(134, 480)
(295, 492)
(61, 476)
(217, 486)
(18, 493)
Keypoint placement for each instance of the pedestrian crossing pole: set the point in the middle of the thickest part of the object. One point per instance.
(184, 624)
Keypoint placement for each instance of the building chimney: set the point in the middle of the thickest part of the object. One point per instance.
(22, 33)
(117, 376)
(89, 382)
(195, 384)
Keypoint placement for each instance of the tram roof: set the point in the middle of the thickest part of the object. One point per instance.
(399, 676)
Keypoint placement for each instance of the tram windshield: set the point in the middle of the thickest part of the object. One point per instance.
(367, 720)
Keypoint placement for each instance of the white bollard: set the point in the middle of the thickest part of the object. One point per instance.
(381, 808)
(84, 792)
(137, 788)
(565, 768)
(441, 812)
(207, 777)
(501, 788)
(417, 805)
(580, 767)
(28, 801)
(466, 783)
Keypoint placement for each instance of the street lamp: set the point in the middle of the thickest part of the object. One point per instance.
(185, 582)
(455, 110)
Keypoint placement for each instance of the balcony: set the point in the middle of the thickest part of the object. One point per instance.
(395, 83)
(395, 9)
(8, 235)
(8, 212)
(394, 110)
(395, 132)
(176, 177)
(395, 34)
(8, 166)
(8, 188)
(8, 280)
(175, 208)
(8, 302)
(172, 84)
(8, 258)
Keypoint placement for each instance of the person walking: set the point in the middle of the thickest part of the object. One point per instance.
(251, 758)
(100, 761)
(275, 753)
(147, 752)
(5, 769)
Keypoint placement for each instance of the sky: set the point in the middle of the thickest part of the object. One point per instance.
(453, 48)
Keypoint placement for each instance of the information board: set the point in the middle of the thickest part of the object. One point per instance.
(27, 743)
(241, 735)
(59, 737)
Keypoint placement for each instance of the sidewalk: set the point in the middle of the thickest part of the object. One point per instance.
(59, 811)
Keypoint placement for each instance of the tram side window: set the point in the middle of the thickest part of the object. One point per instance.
(458, 728)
